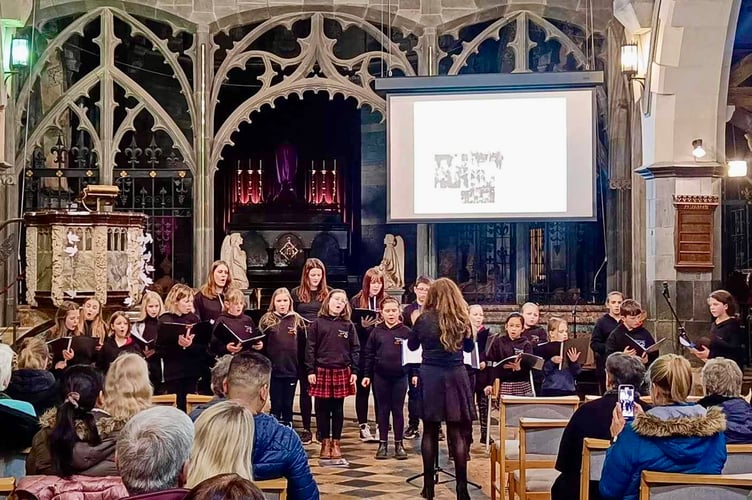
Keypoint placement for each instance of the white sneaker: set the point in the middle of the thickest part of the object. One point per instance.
(365, 433)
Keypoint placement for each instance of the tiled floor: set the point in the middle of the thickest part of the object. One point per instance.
(367, 477)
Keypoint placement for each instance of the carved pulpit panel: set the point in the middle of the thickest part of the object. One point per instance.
(694, 231)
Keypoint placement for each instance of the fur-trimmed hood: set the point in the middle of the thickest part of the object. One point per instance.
(106, 425)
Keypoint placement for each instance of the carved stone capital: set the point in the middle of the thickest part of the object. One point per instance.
(682, 170)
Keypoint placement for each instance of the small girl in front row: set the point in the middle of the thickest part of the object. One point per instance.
(118, 342)
(282, 327)
(558, 375)
(514, 375)
(332, 355)
(383, 366)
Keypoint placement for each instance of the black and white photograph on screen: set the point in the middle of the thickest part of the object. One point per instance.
(472, 173)
(470, 158)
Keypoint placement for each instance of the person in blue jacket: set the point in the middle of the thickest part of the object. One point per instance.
(722, 384)
(673, 436)
(277, 449)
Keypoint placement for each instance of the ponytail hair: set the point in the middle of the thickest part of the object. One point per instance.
(80, 389)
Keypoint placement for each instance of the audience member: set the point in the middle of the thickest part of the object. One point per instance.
(277, 449)
(227, 487)
(127, 389)
(152, 453)
(218, 376)
(593, 420)
(223, 443)
(32, 382)
(673, 436)
(722, 383)
(18, 419)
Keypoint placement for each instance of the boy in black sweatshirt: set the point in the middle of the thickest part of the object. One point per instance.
(630, 337)
(383, 366)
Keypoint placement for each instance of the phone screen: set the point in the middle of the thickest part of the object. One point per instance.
(626, 400)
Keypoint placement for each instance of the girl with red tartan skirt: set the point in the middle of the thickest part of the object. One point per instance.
(332, 356)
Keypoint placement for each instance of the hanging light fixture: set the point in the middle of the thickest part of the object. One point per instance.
(629, 60)
(20, 53)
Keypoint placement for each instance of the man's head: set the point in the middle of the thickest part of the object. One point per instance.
(219, 374)
(153, 449)
(624, 369)
(248, 380)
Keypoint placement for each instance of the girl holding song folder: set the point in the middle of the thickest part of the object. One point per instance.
(118, 342)
(84, 352)
(233, 321)
(559, 373)
(513, 373)
(479, 377)
(144, 331)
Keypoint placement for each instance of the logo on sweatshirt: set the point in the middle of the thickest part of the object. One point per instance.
(343, 333)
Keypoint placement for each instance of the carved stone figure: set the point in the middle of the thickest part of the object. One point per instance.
(393, 262)
(234, 255)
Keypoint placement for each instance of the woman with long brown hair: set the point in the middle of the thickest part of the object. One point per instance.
(209, 301)
(307, 299)
(443, 331)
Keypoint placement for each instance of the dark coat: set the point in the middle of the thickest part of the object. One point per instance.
(277, 453)
(110, 351)
(37, 387)
(18, 428)
(738, 417)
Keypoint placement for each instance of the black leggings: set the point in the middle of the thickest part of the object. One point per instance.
(361, 401)
(305, 401)
(181, 388)
(390, 398)
(330, 417)
(283, 394)
(429, 448)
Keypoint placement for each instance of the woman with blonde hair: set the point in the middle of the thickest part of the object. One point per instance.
(31, 381)
(443, 330)
(144, 330)
(673, 436)
(223, 443)
(127, 389)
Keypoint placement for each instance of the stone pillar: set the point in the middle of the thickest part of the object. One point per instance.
(203, 202)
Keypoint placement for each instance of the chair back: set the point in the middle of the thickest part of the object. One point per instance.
(513, 408)
(669, 486)
(738, 459)
(165, 400)
(591, 397)
(539, 438)
(273, 489)
(193, 400)
(593, 456)
(7, 484)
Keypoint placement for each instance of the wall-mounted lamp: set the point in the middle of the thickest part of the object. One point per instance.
(697, 150)
(737, 168)
(630, 58)
(20, 53)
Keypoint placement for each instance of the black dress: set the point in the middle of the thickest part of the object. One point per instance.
(726, 340)
(447, 394)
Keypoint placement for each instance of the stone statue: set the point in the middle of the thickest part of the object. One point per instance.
(393, 262)
(235, 257)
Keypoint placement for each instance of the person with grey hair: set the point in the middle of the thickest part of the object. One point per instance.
(218, 376)
(722, 382)
(152, 453)
(593, 420)
(277, 449)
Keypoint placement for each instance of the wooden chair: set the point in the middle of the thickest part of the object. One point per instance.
(7, 485)
(670, 486)
(506, 452)
(738, 459)
(593, 456)
(165, 400)
(538, 438)
(273, 488)
(194, 400)
(591, 397)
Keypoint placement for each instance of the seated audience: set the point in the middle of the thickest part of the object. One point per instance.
(127, 389)
(673, 436)
(218, 376)
(152, 453)
(277, 450)
(223, 443)
(227, 487)
(722, 382)
(593, 420)
(18, 420)
(32, 382)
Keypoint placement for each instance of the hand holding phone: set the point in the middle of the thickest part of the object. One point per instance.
(626, 401)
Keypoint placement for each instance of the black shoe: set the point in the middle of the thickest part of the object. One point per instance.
(427, 492)
(399, 451)
(382, 453)
(462, 493)
(306, 436)
(412, 433)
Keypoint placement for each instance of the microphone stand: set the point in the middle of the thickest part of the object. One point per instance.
(574, 317)
(682, 331)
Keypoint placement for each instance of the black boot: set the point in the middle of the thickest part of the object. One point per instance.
(427, 492)
(399, 451)
(462, 493)
(381, 453)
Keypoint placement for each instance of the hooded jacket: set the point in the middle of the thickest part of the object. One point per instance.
(679, 438)
(88, 459)
(37, 387)
(73, 488)
(738, 417)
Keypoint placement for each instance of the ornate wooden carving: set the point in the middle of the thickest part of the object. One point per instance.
(694, 231)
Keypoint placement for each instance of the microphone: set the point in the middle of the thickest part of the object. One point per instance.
(665, 290)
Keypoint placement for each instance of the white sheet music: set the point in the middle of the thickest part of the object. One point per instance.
(472, 359)
(411, 357)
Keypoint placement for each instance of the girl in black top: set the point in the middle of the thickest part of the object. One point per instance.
(119, 341)
(307, 299)
(282, 327)
(183, 362)
(369, 297)
(332, 356)
(91, 323)
(479, 377)
(603, 328)
(383, 365)
(725, 332)
(514, 375)
(145, 328)
(240, 324)
(410, 315)
(443, 331)
(209, 301)
(67, 319)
